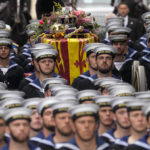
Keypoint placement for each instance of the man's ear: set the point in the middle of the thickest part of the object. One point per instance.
(87, 60)
(114, 116)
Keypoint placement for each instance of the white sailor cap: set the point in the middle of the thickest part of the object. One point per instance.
(105, 50)
(115, 19)
(122, 30)
(4, 33)
(104, 101)
(106, 81)
(121, 89)
(11, 103)
(31, 103)
(89, 47)
(118, 38)
(62, 92)
(146, 16)
(146, 109)
(5, 41)
(58, 87)
(46, 103)
(45, 53)
(82, 110)
(112, 27)
(2, 111)
(142, 94)
(17, 113)
(62, 106)
(40, 46)
(135, 104)
(11, 94)
(120, 102)
(53, 81)
(87, 95)
(2, 24)
(68, 97)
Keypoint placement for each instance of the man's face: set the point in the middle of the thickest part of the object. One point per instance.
(2, 129)
(121, 47)
(85, 128)
(36, 123)
(106, 116)
(4, 52)
(47, 66)
(123, 10)
(64, 124)
(91, 60)
(104, 63)
(138, 121)
(48, 120)
(19, 130)
(121, 116)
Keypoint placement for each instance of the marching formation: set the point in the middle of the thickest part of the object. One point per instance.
(101, 110)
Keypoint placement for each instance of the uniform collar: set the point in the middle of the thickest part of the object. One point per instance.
(40, 135)
(143, 143)
(85, 75)
(131, 53)
(36, 83)
(146, 57)
(31, 77)
(110, 135)
(50, 138)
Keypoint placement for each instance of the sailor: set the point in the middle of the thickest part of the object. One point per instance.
(46, 60)
(91, 61)
(46, 112)
(36, 123)
(121, 119)
(35, 73)
(63, 122)
(17, 120)
(105, 113)
(138, 124)
(123, 59)
(10, 72)
(63, 125)
(104, 58)
(85, 121)
(143, 143)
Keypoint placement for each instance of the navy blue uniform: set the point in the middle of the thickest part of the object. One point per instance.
(72, 145)
(26, 81)
(34, 89)
(76, 81)
(13, 76)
